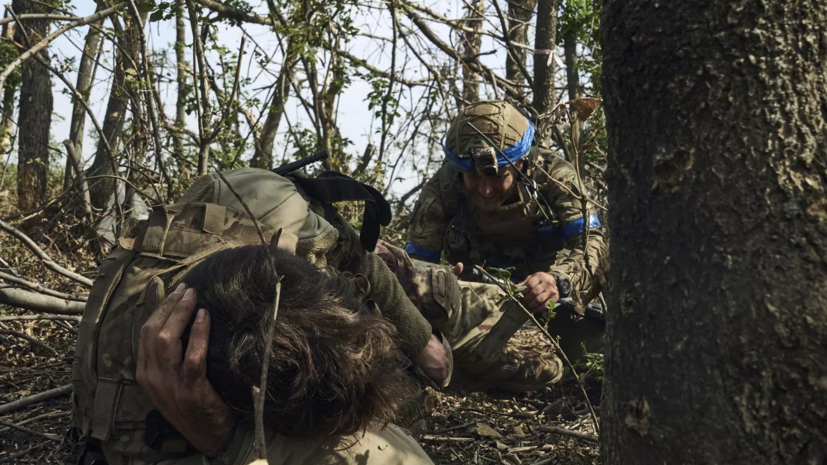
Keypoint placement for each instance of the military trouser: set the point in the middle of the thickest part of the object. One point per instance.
(479, 323)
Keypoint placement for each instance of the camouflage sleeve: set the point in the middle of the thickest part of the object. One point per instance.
(426, 232)
(562, 193)
(413, 329)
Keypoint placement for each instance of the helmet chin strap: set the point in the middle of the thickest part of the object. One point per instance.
(530, 184)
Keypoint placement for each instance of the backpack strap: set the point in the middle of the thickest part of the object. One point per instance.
(331, 187)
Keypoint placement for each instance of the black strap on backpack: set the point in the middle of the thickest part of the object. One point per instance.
(330, 187)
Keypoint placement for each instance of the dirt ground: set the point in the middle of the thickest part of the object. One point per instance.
(475, 428)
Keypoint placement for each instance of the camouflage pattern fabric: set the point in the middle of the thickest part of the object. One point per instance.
(445, 220)
(153, 255)
(387, 446)
(477, 322)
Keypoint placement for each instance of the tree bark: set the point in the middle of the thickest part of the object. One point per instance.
(83, 86)
(717, 346)
(519, 16)
(181, 79)
(573, 86)
(544, 39)
(471, 43)
(9, 95)
(35, 117)
(263, 156)
(102, 189)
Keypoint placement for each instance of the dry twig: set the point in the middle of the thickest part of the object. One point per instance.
(50, 264)
(20, 404)
(551, 339)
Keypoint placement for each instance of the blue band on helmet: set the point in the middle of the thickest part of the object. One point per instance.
(420, 251)
(511, 154)
(575, 227)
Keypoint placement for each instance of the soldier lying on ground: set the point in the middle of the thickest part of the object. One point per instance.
(113, 413)
(502, 200)
(334, 380)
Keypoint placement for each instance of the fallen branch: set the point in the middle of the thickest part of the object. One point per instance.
(38, 287)
(39, 317)
(40, 302)
(50, 264)
(551, 339)
(565, 432)
(452, 428)
(20, 404)
(51, 437)
(32, 340)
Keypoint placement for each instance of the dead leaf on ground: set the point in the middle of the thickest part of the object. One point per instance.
(487, 432)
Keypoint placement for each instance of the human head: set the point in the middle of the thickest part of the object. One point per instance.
(333, 367)
(508, 135)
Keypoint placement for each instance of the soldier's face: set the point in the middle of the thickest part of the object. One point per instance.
(489, 192)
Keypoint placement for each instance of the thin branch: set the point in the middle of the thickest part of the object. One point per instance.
(20, 404)
(50, 437)
(565, 432)
(38, 287)
(48, 39)
(551, 339)
(38, 16)
(40, 318)
(386, 122)
(246, 208)
(32, 340)
(28, 242)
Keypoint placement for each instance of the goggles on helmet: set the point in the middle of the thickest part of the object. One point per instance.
(483, 160)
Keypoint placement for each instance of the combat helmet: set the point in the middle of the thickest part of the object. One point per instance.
(505, 126)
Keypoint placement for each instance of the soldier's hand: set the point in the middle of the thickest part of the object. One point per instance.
(433, 361)
(175, 380)
(457, 269)
(540, 289)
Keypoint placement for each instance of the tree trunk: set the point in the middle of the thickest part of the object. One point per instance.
(83, 86)
(263, 156)
(717, 348)
(519, 16)
(573, 85)
(471, 43)
(101, 189)
(544, 39)
(35, 117)
(9, 94)
(181, 79)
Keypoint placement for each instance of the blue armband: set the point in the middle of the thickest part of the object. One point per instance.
(416, 250)
(575, 227)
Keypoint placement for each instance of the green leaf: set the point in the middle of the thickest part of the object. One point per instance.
(156, 16)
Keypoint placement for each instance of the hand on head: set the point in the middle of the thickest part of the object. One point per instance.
(175, 379)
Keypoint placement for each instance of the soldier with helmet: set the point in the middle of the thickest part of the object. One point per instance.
(503, 200)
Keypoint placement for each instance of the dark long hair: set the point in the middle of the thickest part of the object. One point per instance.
(334, 366)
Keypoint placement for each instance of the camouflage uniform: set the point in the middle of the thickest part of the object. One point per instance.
(151, 258)
(517, 234)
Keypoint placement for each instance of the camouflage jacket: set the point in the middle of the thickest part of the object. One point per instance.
(517, 234)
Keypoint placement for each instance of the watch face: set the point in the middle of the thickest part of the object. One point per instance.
(563, 286)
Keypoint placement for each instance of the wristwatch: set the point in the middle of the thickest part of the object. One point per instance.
(563, 283)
